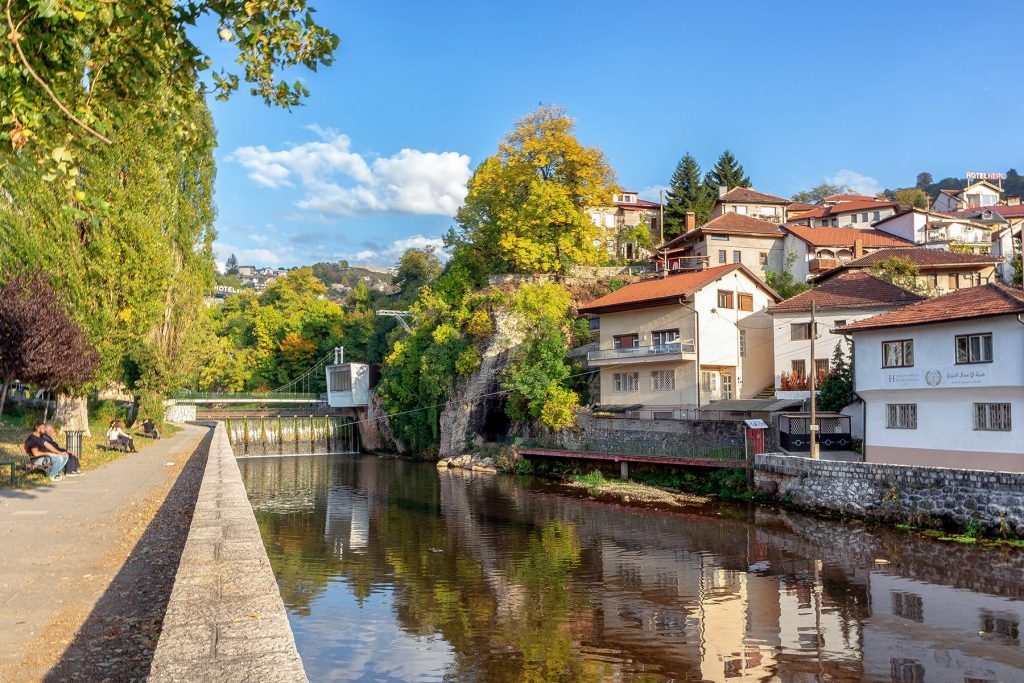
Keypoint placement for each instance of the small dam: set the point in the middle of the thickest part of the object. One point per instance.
(266, 435)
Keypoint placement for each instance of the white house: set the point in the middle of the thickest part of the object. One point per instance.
(1006, 223)
(938, 231)
(684, 340)
(939, 271)
(860, 213)
(816, 250)
(943, 380)
(980, 193)
(842, 300)
(747, 202)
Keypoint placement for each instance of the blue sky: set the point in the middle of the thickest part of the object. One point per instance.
(420, 93)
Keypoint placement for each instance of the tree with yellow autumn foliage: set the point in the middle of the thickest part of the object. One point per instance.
(526, 207)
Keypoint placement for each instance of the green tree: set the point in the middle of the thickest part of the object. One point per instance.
(526, 207)
(1018, 270)
(687, 193)
(728, 172)
(819, 192)
(902, 272)
(924, 180)
(416, 267)
(231, 266)
(836, 392)
(783, 282)
(911, 196)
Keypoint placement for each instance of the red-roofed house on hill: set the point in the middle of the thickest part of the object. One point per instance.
(817, 250)
(859, 213)
(684, 340)
(940, 271)
(747, 202)
(727, 238)
(943, 380)
(844, 299)
(980, 193)
(626, 211)
(938, 230)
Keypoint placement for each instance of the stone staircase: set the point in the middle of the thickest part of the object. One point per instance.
(766, 393)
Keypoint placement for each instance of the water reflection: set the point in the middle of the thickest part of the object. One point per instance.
(392, 570)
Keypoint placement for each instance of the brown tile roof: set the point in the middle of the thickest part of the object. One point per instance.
(855, 289)
(951, 193)
(845, 237)
(638, 204)
(729, 223)
(846, 207)
(847, 198)
(666, 290)
(741, 195)
(923, 257)
(1004, 211)
(801, 206)
(973, 302)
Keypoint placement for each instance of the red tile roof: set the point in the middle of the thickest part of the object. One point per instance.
(855, 289)
(951, 193)
(846, 207)
(666, 290)
(973, 302)
(638, 204)
(848, 198)
(800, 206)
(729, 223)
(1004, 211)
(845, 237)
(741, 195)
(923, 257)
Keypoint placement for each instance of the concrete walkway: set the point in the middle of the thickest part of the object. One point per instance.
(62, 545)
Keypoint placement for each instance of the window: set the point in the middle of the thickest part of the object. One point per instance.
(770, 210)
(932, 280)
(663, 337)
(662, 415)
(720, 238)
(763, 259)
(627, 381)
(736, 256)
(340, 378)
(708, 380)
(901, 416)
(864, 217)
(953, 281)
(992, 417)
(877, 215)
(799, 368)
(799, 331)
(835, 223)
(741, 210)
(722, 255)
(743, 343)
(898, 354)
(626, 341)
(839, 323)
(746, 302)
(663, 380)
(824, 222)
(820, 367)
(726, 387)
(974, 348)
(854, 218)
(724, 299)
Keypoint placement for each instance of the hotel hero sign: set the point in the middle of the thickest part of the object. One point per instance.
(937, 378)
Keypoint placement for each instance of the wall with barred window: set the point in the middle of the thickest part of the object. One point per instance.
(924, 496)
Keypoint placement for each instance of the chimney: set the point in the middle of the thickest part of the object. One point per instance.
(722, 190)
(858, 248)
(690, 221)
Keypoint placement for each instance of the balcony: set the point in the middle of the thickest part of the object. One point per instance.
(820, 265)
(659, 353)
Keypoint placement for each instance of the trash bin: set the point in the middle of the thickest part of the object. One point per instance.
(73, 441)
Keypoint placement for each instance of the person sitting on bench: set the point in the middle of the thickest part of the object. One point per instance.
(149, 429)
(72, 469)
(36, 449)
(118, 438)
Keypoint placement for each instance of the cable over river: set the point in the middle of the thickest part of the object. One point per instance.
(394, 571)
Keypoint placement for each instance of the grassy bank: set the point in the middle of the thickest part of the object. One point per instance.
(598, 486)
(15, 428)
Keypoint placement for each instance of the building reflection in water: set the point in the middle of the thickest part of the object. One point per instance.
(518, 580)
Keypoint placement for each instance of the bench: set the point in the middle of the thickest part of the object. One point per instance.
(31, 465)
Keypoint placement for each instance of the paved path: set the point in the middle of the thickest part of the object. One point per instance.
(62, 545)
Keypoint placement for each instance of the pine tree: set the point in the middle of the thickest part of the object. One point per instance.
(836, 392)
(727, 171)
(231, 265)
(686, 193)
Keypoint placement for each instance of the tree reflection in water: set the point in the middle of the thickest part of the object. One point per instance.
(503, 579)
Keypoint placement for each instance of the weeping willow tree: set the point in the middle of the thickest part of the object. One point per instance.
(135, 267)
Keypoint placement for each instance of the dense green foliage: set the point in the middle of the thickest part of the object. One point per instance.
(687, 192)
(783, 282)
(903, 273)
(728, 171)
(819, 192)
(836, 392)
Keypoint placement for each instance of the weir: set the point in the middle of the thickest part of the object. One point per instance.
(263, 435)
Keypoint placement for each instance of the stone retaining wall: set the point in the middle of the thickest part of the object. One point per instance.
(650, 436)
(225, 620)
(923, 496)
(179, 413)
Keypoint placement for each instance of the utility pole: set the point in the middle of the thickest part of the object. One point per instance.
(661, 208)
(813, 429)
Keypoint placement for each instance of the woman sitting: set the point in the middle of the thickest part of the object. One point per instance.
(118, 438)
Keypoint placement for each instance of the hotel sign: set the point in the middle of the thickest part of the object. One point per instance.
(955, 376)
(985, 176)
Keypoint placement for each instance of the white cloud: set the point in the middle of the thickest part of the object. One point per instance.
(387, 255)
(297, 252)
(652, 193)
(857, 182)
(339, 181)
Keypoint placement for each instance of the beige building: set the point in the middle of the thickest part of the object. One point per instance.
(725, 239)
(747, 202)
(979, 194)
(685, 340)
(846, 213)
(626, 211)
(940, 271)
(816, 250)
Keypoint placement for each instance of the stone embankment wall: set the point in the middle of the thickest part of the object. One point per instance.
(179, 413)
(225, 620)
(649, 436)
(923, 496)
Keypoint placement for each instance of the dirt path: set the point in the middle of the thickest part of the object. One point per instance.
(87, 565)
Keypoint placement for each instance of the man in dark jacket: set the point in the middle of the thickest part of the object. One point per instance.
(72, 469)
(37, 448)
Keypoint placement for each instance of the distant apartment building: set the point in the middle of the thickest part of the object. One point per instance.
(725, 239)
(939, 271)
(247, 271)
(818, 250)
(684, 340)
(860, 213)
(626, 211)
(747, 202)
(979, 194)
(943, 380)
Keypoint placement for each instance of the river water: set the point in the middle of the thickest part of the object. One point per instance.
(394, 571)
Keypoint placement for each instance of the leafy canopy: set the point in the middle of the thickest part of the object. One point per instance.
(902, 272)
(819, 192)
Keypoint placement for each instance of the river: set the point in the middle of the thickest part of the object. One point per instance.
(394, 571)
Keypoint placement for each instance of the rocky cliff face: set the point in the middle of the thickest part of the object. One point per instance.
(475, 395)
